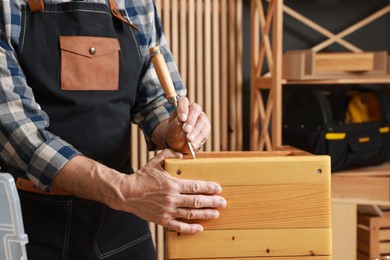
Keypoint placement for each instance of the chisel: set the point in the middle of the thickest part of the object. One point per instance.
(165, 79)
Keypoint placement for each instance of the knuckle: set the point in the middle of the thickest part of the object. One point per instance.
(190, 214)
(180, 228)
(196, 187)
(168, 200)
(197, 202)
(196, 106)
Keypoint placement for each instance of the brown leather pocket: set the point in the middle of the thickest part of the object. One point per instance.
(89, 63)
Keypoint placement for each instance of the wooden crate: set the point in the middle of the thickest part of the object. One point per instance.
(373, 237)
(308, 65)
(278, 207)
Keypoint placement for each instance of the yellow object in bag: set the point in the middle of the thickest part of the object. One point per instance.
(363, 107)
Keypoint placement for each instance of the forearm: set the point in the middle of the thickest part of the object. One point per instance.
(159, 135)
(89, 179)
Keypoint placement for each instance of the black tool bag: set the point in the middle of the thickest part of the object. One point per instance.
(314, 121)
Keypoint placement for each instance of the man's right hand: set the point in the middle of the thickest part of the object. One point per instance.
(154, 195)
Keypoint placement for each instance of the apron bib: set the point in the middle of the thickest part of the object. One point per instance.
(83, 66)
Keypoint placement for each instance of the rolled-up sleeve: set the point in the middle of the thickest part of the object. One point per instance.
(152, 107)
(26, 147)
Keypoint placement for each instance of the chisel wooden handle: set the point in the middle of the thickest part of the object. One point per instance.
(163, 75)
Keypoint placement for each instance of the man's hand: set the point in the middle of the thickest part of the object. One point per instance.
(154, 195)
(190, 123)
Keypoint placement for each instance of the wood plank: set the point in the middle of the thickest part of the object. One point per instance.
(253, 171)
(191, 51)
(183, 34)
(384, 234)
(175, 30)
(277, 205)
(344, 229)
(250, 243)
(216, 93)
(199, 49)
(239, 77)
(273, 258)
(224, 77)
(361, 190)
(232, 86)
(277, 53)
(342, 61)
(207, 86)
(384, 248)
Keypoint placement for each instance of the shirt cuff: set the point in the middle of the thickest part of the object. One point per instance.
(47, 161)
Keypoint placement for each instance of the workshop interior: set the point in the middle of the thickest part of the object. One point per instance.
(298, 96)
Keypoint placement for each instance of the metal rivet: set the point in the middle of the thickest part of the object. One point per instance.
(21, 183)
(92, 50)
(319, 171)
(178, 172)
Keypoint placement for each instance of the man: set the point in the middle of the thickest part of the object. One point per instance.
(73, 76)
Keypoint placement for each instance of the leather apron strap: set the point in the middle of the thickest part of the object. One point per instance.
(39, 6)
(36, 5)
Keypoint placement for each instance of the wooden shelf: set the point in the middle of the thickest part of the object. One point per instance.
(360, 80)
(378, 170)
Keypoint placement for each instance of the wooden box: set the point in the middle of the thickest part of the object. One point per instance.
(278, 207)
(373, 237)
(308, 65)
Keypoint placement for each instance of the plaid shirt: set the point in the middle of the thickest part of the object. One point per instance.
(26, 146)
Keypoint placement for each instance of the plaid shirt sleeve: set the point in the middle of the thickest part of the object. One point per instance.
(25, 145)
(152, 107)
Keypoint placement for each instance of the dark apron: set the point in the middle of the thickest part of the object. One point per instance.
(69, 54)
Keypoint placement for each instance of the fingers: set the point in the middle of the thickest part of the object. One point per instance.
(201, 202)
(195, 122)
(182, 109)
(199, 187)
(183, 227)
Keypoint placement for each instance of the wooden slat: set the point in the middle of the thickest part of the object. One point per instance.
(174, 42)
(224, 76)
(216, 104)
(199, 52)
(273, 258)
(250, 243)
(183, 40)
(191, 84)
(384, 234)
(289, 206)
(384, 248)
(207, 69)
(255, 41)
(166, 19)
(326, 62)
(232, 76)
(363, 190)
(264, 170)
(277, 38)
(239, 80)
